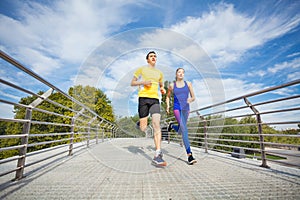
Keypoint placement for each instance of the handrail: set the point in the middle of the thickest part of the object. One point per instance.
(12, 61)
(212, 130)
(295, 82)
(223, 131)
(75, 131)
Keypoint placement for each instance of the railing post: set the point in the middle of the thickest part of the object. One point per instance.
(169, 137)
(89, 130)
(97, 133)
(205, 136)
(204, 131)
(115, 131)
(72, 136)
(102, 134)
(112, 130)
(72, 131)
(104, 130)
(24, 141)
(261, 137)
(262, 145)
(88, 136)
(26, 130)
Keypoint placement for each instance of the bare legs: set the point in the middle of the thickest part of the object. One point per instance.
(156, 127)
(157, 131)
(143, 123)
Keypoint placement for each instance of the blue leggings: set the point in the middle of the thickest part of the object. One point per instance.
(181, 117)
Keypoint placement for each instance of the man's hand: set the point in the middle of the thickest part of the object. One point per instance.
(147, 83)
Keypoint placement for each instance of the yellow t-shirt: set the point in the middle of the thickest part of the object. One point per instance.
(149, 74)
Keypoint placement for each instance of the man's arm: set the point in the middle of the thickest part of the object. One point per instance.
(135, 82)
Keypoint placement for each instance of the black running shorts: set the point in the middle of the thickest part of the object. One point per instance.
(148, 105)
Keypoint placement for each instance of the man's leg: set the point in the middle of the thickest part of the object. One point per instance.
(143, 123)
(157, 131)
(158, 160)
(143, 113)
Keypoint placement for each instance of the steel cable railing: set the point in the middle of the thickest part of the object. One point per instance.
(54, 133)
(243, 127)
(268, 130)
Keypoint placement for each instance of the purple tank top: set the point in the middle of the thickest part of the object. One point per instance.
(180, 97)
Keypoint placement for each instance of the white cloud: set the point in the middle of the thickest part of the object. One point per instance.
(63, 35)
(286, 68)
(6, 111)
(227, 34)
(234, 88)
(285, 65)
(281, 116)
(66, 31)
(293, 76)
(211, 91)
(259, 73)
(294, 54)
(8, 95)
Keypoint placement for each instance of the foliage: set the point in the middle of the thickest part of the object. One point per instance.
(95, 99)
(163, 102)
(51, 124)
(127, 126)
(244, 133)
(234, 133)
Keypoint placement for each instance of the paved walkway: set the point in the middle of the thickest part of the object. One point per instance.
(121, 169)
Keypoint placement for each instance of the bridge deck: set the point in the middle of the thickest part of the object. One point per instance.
(121, 169)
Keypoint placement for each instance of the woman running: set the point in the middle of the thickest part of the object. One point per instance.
(182, 89)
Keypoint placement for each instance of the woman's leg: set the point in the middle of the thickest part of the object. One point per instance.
(181, 117)
(177, 117)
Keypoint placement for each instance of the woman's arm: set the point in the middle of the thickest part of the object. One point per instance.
(170, 89)
(190, 100)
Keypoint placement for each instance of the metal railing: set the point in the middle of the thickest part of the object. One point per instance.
(255, 125)
(77, 128)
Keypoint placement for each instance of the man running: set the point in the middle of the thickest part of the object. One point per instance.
(150, 78)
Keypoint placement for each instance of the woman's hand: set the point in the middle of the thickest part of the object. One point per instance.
(162, 90)
(190, 100)
(168, 109)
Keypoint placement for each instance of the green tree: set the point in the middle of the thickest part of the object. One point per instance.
(128, 127)
(93, 98)
(163, 101)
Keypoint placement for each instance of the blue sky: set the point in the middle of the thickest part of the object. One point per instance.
(239, 46)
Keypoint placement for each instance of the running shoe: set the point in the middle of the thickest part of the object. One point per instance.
(191, 160)
(159, 161)
(137, 125)
(170, 127)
